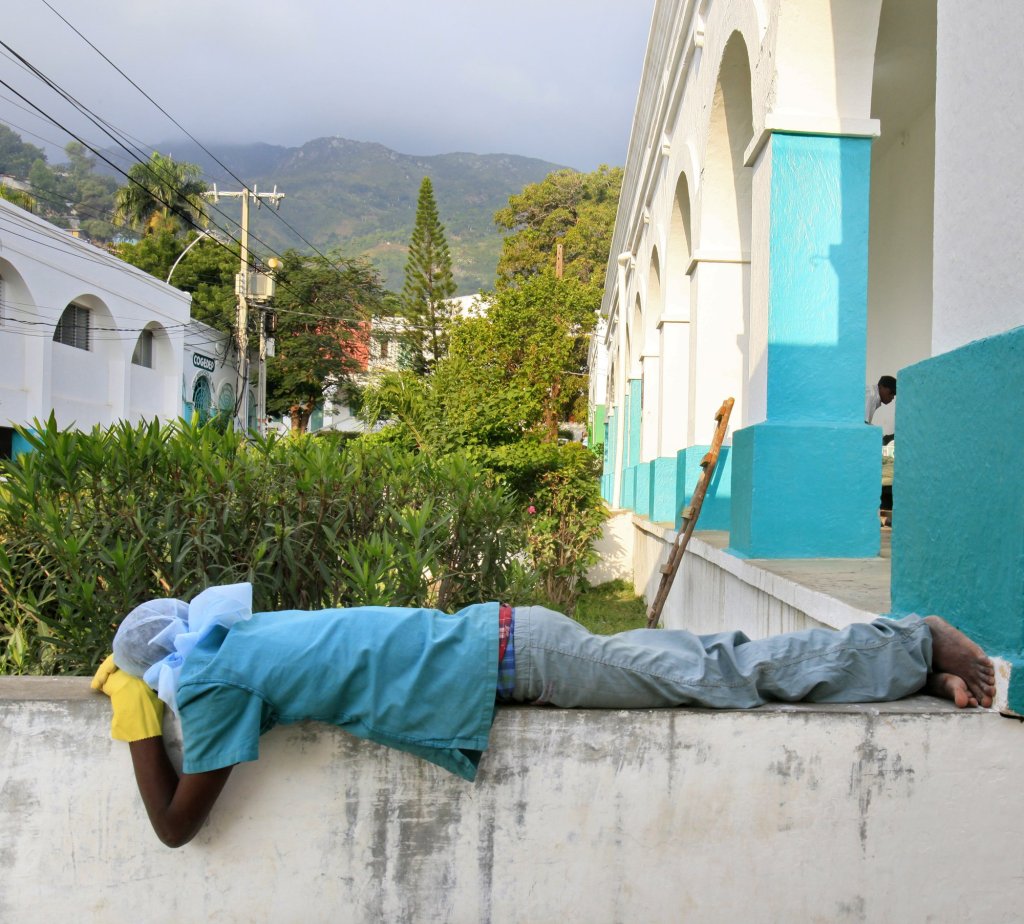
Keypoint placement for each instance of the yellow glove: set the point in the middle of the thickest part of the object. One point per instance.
(138, 712)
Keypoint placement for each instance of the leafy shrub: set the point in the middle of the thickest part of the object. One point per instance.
(93, 523)
(559, 488)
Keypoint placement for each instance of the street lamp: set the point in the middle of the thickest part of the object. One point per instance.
(202, 233)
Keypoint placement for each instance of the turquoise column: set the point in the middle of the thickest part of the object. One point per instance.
(805, 482)
(608, 475)
(716, 509)
(958, 497)
(631, 443)
(625, 483)
(597, 432)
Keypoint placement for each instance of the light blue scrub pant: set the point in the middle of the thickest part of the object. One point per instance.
(561, 663)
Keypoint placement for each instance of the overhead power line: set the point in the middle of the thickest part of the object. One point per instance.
(182, 128)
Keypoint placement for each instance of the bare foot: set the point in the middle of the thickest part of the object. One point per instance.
(954, 653)
(949, 686)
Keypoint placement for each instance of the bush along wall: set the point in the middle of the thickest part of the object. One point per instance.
(91, 524)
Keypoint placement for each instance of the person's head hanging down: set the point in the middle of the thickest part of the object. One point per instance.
(147, 633)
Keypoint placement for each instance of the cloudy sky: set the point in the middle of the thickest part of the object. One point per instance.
(554, 79)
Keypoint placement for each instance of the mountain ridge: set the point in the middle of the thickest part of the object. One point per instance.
(359, 198)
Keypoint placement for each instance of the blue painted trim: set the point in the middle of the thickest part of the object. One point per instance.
(817, 296)
(805, 483)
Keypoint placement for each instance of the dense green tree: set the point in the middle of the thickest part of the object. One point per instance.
(52, 189)
(428, 285)
(574, 209)
(90, 194)
(17, 156)
(323, 309)
(532, 346)
(207, 271)
(162, 194)
(516, 372)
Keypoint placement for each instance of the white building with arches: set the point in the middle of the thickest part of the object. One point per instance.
(817, 193)
(82, 334)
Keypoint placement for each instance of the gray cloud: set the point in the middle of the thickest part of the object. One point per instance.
(555, 80)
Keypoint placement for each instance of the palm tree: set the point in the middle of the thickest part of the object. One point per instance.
(162, 194)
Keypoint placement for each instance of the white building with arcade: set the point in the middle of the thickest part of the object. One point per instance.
(817, 193)
(82, 334)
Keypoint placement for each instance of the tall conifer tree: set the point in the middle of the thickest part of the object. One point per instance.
(428, 284)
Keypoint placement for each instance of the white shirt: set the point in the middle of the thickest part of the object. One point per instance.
(885, 417)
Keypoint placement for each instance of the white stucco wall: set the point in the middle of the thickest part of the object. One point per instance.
(979, 132)
(899, 812)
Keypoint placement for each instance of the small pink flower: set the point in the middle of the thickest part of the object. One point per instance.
(531, 510)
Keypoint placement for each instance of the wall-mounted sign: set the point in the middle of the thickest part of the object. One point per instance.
(205, 363)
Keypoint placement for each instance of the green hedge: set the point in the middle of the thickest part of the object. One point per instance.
(93, 523)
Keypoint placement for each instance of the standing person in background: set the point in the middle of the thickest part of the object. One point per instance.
(884, 416)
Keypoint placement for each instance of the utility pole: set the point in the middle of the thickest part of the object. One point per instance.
(244, 292)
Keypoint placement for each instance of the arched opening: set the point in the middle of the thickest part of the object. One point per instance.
(89, 360)
(677, 282)
(75, 327)
(202, 399)
(18, 315)
(720, 311)
(900, 245)
(226, 400)
(655, 305)
(650, 360)
(152, 373)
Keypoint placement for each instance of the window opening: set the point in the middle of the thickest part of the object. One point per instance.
(73, 327)
(202, 399)
(143, 355)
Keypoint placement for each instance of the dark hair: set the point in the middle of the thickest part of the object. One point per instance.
(889, 381)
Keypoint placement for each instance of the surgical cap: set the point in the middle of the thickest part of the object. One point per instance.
(147, 633)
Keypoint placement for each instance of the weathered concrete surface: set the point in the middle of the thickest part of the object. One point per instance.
(908, 811)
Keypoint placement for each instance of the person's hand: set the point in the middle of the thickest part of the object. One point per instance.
(138, 713)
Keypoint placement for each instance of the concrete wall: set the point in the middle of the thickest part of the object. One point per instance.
(954, 443)
(898, 812)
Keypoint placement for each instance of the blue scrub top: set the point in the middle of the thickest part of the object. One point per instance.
(418, 680)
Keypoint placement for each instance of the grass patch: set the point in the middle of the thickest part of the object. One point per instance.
(610, 608)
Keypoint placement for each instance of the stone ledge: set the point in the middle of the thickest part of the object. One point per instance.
(77, 689)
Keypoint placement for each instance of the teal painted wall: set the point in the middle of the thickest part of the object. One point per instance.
(628, 496)
(19, 445)
(642, 491)
(715, 511)
(664, 499)
(806, 480)
(958, 495)
(608, 477)
(596, 430)
(627, 419)
(636, 406)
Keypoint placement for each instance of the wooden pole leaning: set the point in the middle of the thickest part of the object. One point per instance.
(690, 513)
